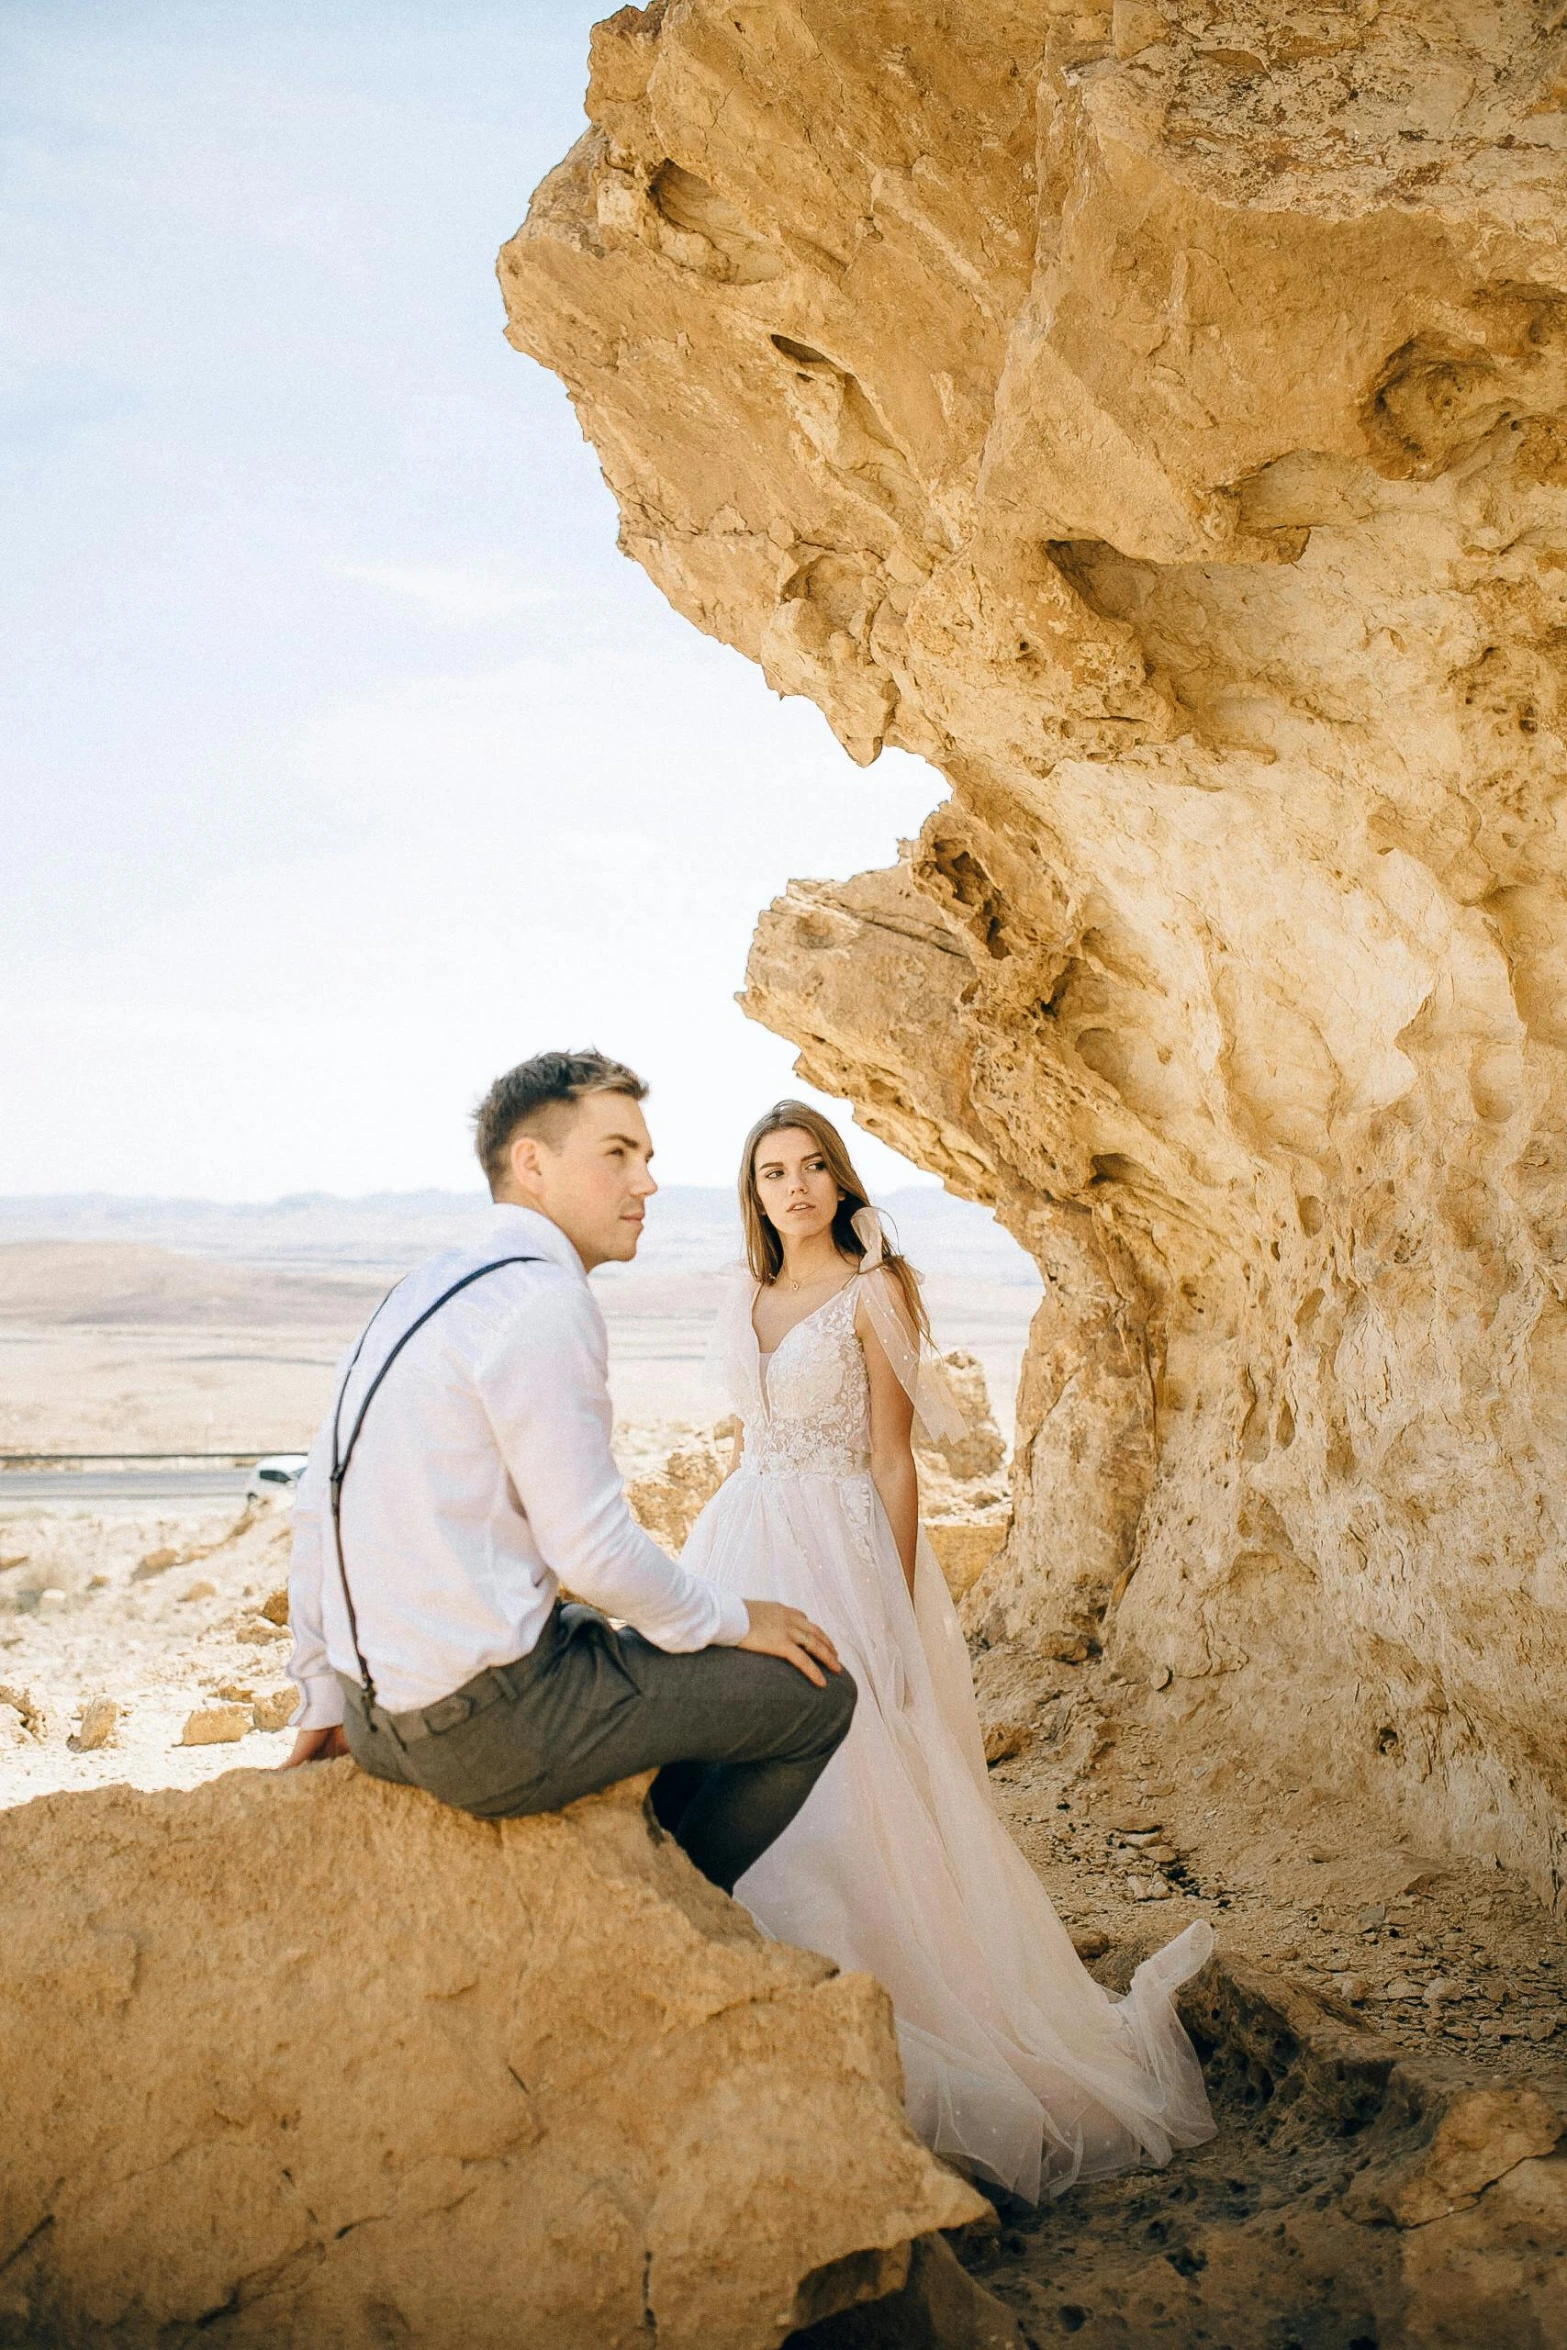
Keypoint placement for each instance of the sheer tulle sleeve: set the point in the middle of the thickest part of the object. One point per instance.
(729, 1366)
(918, 1367)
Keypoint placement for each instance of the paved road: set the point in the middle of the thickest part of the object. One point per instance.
(33, 1489)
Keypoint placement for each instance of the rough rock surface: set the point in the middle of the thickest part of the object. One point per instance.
(1354, 2195)
(1156, 416)
(307, 2058)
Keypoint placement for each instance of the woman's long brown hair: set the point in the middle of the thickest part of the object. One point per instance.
(764, 1248)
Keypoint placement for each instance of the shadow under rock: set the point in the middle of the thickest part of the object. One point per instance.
(1355, 2198)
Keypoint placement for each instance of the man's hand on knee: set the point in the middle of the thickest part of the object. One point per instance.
(316, 1746)
(783, 1631)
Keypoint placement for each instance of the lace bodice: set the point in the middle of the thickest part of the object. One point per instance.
(809, 1414)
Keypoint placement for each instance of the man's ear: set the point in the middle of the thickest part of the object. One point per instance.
(525, 1158)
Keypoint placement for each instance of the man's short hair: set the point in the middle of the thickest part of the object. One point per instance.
(528, 1095)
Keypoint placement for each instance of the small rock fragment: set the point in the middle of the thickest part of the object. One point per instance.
(215, 1725)
(200, 1590)
(1370, 1919)
(274, 1709)
(51, 1600)
(1005, 1739)
(1542, 2028)
(259, 1635)
(27, 1716)
(1088, 1942)
(97, 1582)
(275, 1606)
(1354, 1988)
(156, 1562)
(100, 1719)
(237, 1692)
(1160, 1677)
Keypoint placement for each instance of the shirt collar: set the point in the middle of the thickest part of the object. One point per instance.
(509, 1222)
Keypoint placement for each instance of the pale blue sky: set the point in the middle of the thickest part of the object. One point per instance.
(342, 759)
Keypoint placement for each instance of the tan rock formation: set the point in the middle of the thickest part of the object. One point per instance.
(304, 2059)
(1156, 416)
(669, 1499)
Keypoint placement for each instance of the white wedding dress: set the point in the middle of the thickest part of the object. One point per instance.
(1016, 2063)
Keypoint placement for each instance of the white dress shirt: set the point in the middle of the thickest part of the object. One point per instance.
(483, 1480)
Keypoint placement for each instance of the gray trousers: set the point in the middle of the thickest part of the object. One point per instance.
(738, 1740)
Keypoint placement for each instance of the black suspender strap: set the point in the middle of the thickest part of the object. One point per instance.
(341, 1459)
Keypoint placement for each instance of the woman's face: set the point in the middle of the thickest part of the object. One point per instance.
(798, 1195)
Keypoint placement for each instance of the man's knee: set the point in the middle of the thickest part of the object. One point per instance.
(836, 1706)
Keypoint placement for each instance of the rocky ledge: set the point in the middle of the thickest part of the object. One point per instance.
(306, 2059)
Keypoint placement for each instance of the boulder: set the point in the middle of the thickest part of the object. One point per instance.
(667, 1500)
(274, 1709)
(964, 1548)
(216, 1725)
(302, 2058)
(99, 1720)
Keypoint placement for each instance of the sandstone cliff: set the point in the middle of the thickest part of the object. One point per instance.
(311, 2059)
(1156, 416)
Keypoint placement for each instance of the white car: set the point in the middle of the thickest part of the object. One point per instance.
(275, 1478)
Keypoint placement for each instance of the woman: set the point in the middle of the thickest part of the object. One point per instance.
(1016, 2064)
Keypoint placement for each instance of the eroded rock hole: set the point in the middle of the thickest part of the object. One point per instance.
(800, 353)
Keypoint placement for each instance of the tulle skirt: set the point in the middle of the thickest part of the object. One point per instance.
(1017, 2064)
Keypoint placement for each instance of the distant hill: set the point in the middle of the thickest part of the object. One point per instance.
(97, 1295)
(691, 1228)
(125, 1283)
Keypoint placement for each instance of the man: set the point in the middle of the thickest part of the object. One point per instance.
(475, 1423)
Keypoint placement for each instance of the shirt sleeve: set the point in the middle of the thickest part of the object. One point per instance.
(321, 1695)
(545, 1387)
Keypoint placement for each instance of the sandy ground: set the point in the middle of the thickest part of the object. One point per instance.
(162, 1613)
(1111, 1804)
(159, 1613)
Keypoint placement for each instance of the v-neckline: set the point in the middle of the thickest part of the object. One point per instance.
(767, 1353)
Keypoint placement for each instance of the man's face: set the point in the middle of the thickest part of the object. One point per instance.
(592, 1176)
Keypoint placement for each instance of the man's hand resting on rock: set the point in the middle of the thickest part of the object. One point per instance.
(777, 1630)
(316, 1746)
